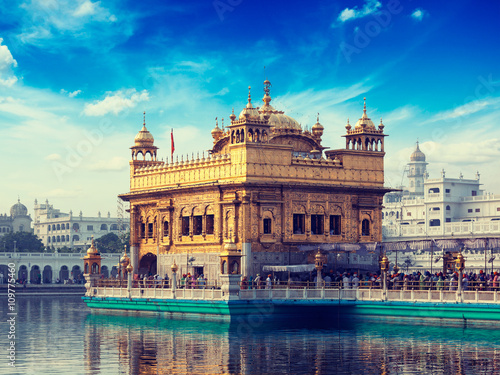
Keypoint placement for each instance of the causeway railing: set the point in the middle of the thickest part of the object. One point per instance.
(284, 292)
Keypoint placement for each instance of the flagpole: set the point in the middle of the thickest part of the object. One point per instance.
(172, 148)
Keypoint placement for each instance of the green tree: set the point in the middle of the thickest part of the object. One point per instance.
(66, 249)
(24, 242)
(111, 243)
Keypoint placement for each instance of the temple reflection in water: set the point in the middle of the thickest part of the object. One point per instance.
(151, 345)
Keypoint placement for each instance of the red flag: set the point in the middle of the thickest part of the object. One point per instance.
(173, 147)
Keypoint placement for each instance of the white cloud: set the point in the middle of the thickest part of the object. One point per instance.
(467, 109)
(71, 94)
(370, 6)
(74, 93)
(418, 14)
(67, 20)
(87, 8)
(7, 63)
(116, 102)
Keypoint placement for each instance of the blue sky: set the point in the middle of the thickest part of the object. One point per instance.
(76, 76)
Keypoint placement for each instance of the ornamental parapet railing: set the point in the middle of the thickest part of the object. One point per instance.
(365, 291)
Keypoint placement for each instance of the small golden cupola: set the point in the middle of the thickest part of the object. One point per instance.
(249, 112)
(144, 144)
(317, 129)
(365, 122)
(217, 132)
(365, 136)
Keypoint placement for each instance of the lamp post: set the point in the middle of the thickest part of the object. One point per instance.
(396, 268)
(384, 267)
(460, 266)
(174, 268)
(319, 261)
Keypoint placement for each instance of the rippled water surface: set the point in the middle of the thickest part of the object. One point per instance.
(59, 335)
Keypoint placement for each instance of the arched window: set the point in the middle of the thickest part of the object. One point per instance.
(365, 227)
(267, 223)
(165, 228)
(76, 226)
(58, 227)
(448, 208)
(104, 227)
(76, 238)
(224, 267)
(48, 239)
(67, 237)
(53, 227)
(67, 225)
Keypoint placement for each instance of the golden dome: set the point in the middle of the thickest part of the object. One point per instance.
(277, 119)
(144, 137)
(217, 132)
(365, 122)
(92, 249)
(317, 129)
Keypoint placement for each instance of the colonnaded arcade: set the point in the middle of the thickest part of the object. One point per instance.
(47, 268)
(267, 188)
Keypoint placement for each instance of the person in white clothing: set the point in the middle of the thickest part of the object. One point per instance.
(355, 281)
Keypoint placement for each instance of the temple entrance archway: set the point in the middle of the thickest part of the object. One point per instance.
(76, 272)
(47, 275)
(23, 273)
(147, 265)
(35, 275)
(64, 273)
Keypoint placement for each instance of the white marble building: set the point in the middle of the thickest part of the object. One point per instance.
(439, 208)
(57, 229)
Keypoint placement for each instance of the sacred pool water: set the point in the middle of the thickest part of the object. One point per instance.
(60, 335)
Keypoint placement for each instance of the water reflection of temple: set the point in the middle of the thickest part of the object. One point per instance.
(148, 345)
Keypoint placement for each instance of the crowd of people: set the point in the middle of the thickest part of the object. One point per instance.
(395, 280)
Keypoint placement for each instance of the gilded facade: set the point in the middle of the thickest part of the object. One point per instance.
(268, 186)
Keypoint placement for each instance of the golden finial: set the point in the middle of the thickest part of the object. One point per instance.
(317, 117)
(144, 118)
(249, 95)
(216, 123)
(222, 122)
(364, 105)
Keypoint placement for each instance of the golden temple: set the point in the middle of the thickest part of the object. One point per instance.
(267, 186)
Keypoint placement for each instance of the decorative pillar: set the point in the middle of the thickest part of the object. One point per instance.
(174, 268)
(460, 265)
(319, 261)
(384, 267)
(91, 267)
(124, 263)
(230, 269)
(129, 280)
